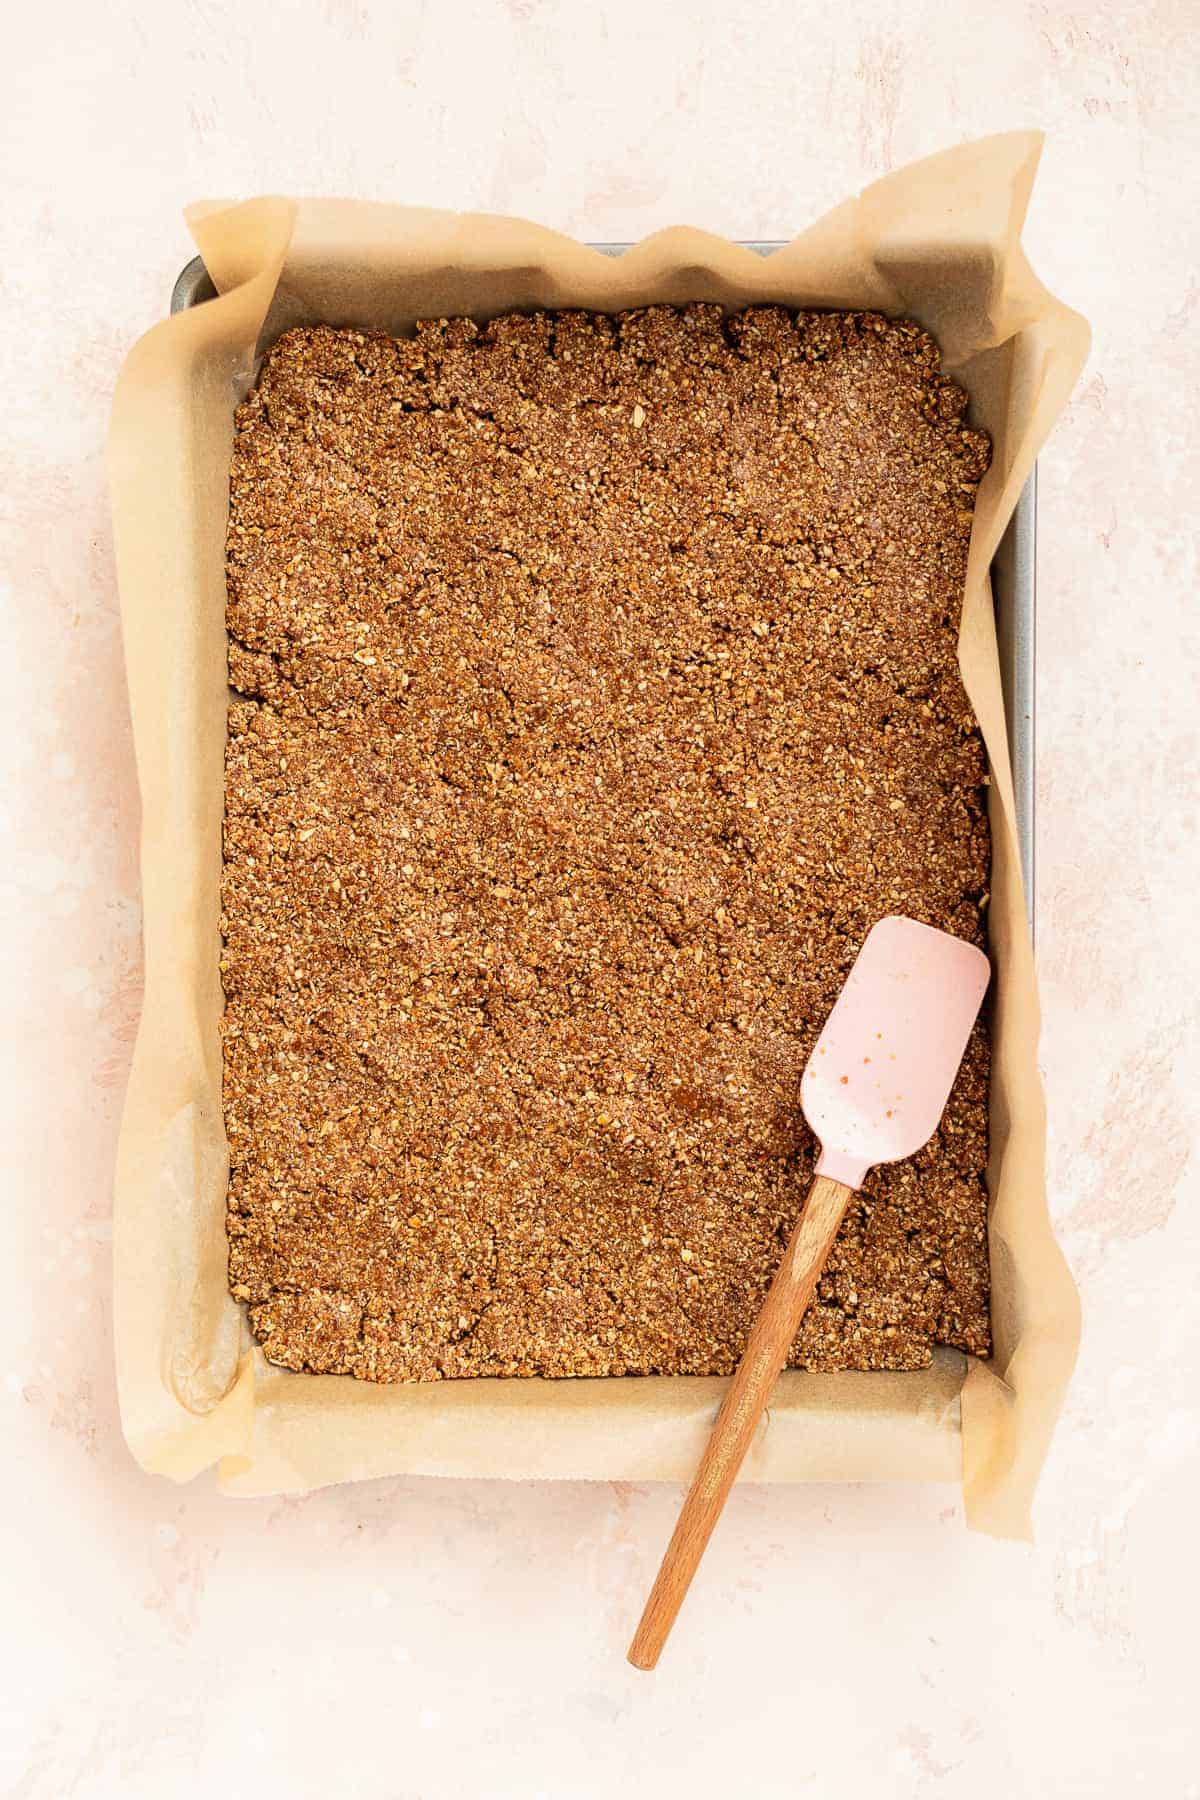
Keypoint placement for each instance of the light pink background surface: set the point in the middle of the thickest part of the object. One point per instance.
(434, 1639)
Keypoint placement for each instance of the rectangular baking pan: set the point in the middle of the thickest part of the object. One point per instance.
(1014, 587)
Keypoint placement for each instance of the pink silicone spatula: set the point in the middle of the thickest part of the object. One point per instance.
(874, 1089)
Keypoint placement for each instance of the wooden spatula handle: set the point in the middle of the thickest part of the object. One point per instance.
(764, 1356)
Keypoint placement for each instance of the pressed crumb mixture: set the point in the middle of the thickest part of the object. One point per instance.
(594, 692)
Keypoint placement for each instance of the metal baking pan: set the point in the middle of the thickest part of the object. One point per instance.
(1014, 585)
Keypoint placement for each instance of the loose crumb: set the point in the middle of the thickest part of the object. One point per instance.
(594, 691)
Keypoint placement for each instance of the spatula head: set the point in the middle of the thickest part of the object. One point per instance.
(882, 1069)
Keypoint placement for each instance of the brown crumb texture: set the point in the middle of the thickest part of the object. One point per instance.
(594, 691)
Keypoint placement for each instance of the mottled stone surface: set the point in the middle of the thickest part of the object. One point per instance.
(441, 1639)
